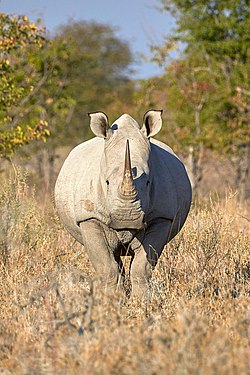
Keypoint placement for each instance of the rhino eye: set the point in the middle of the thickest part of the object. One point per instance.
(148, 182)
(134, 171)
(107, 182)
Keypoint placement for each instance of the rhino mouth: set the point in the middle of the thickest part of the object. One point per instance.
(127, 215)
(118, 224)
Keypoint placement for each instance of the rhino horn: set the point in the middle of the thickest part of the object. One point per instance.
(127, 187)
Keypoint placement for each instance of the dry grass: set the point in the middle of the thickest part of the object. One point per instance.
(54, 322)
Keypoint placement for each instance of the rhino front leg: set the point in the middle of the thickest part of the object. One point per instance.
(147, 247)
(101, 254)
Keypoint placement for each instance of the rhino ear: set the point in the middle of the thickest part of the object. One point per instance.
(152, 122)
(99, 124)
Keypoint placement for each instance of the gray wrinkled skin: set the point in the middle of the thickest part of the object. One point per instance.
(93, 209)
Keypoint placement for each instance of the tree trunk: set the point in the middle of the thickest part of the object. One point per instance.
(45, 161)
(40, 165)
(195, 153)
(195, 168)
(242, 181)
(51, 169)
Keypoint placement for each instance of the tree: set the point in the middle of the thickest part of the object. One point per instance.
(18, 34)
(53, 102)
(189, 93)
(98, 72)
(218, 27)
(89, 69)
(215, 43)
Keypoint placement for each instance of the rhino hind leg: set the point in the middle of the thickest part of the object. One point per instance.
(100, 250)
(147, 249)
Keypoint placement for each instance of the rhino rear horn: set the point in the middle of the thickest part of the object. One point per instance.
(127, 187)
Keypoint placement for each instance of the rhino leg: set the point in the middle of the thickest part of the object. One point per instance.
(100, 249)
(147, 247)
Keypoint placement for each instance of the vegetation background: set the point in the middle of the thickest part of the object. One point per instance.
(53, 320)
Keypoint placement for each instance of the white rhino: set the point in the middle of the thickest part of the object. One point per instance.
(123, 193)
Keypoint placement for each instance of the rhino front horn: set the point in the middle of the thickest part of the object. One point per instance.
(127, 187)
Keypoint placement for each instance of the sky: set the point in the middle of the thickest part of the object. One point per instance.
(139, 22)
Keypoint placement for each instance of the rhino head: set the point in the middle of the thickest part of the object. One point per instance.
(126, 179)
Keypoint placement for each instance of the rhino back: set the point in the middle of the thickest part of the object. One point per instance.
(172, 190)
(77, 175)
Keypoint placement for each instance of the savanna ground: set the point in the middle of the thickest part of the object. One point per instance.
(54, 320)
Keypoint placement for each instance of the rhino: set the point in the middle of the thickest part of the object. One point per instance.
(123, 193)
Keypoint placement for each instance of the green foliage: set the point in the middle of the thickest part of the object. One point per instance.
(17, 35)
(97, 72)
(52, 101)
(48, 87)
(86, 69)
(217, 26)
(207, 89)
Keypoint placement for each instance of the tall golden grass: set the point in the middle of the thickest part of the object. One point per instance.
(54, 320)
